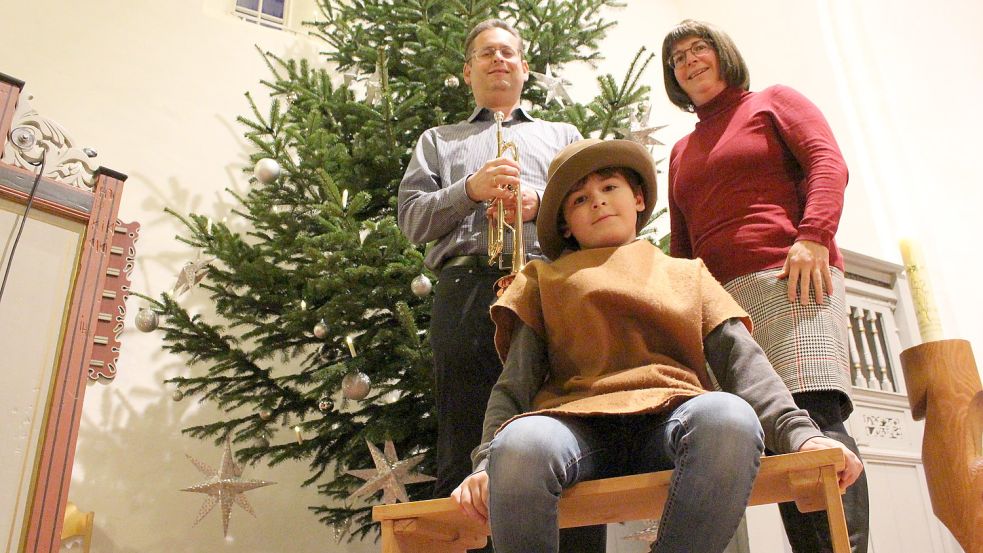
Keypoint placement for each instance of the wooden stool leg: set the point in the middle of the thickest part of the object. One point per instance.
(838, 533)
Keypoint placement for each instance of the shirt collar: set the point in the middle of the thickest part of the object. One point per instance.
(485, 114)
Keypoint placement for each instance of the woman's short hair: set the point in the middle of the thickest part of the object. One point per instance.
(733, 70)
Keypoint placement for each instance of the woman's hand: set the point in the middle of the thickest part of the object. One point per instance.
(807, 264)
(851, 470)
(472, 496)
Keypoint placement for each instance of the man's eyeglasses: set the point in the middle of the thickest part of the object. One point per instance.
(487, 54)
(698, 48)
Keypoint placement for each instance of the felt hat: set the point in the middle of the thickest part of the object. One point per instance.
(575, 162)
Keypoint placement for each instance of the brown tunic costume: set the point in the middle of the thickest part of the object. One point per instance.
(624, 328)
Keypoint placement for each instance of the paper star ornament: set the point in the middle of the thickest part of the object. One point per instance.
(640, 131)
(191, 274)
(390, 474)
(224, 487)
(554, 86)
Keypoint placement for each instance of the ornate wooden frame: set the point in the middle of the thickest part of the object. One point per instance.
(86, 320)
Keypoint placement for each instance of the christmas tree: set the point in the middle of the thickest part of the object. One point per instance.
(321, 282)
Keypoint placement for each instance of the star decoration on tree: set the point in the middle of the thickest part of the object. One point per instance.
(390, 474)
(650, 533)
(191, 274)
(641, 131)
(553, 85)
(224, 486)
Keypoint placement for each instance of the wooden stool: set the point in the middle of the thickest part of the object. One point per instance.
(439, 525)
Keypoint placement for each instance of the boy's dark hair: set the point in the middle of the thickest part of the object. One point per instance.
(733, 70)
(630, 175)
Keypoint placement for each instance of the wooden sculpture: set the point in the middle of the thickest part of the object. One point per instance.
(944, 389)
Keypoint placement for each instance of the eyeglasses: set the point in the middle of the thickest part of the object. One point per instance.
(487, 54)
(699, 48)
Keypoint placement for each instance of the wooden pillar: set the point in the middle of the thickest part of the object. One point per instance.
(944, 389)
(56, 455)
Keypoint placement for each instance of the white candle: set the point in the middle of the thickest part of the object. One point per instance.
(921, 291)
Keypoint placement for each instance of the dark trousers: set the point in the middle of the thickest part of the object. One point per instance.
(466, 366)
(809, 532)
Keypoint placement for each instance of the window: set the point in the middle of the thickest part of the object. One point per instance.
(268, 13)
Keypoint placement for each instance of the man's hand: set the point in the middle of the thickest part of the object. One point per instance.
(472, 496)
(530, 207)
(493, 180)
(807, 264)
(851, 471)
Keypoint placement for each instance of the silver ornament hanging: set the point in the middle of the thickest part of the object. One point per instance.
(356, 385)
(321, 330)
(421, 286)
(178, 395)
(146, 320)
(324, 405)
(266, 170)
(265, 414)
(452, 81)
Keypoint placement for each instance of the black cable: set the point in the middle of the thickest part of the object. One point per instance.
(30, 200)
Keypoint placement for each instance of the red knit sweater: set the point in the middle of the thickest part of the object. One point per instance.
(760, 171)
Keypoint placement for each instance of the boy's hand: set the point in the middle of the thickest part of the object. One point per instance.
(472, 496)
(851, 471)
(493, 180)
(807, 264)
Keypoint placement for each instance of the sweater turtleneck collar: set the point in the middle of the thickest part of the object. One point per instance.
(727, 99)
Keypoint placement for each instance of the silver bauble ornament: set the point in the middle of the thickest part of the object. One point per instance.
(421, 286)
(452, 81)
(263, 442)
(146, 320)
(266, 170)
(178, 395)
(265, 414)
(324, 405)
(355, 385)
(321, 330)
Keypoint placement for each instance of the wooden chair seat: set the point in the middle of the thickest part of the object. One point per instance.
(438, 525)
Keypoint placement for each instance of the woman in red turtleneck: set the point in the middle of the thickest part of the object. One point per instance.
(756, 191)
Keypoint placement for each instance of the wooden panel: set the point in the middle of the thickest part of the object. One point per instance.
(51, 196)
(901, 521)
(33, 310)
(9, 92)
(54, 470)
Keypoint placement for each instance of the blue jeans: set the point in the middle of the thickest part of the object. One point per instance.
(713, 441)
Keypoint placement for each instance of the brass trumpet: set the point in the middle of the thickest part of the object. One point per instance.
(497, 224)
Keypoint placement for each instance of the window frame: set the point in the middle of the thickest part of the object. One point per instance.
(261, 18)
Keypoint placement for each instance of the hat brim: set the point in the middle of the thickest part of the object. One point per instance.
(593, 157)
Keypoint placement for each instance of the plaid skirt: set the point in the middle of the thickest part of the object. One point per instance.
(807, 345)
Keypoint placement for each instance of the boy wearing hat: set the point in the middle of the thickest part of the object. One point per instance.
(605, 351)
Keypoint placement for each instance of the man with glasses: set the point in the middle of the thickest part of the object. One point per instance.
(453, 173)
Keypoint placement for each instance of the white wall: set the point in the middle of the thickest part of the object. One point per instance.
(156, 87)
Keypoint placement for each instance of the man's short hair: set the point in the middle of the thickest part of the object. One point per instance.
(733, 70)
(484, 26)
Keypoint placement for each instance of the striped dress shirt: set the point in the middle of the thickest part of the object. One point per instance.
(433, 204)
